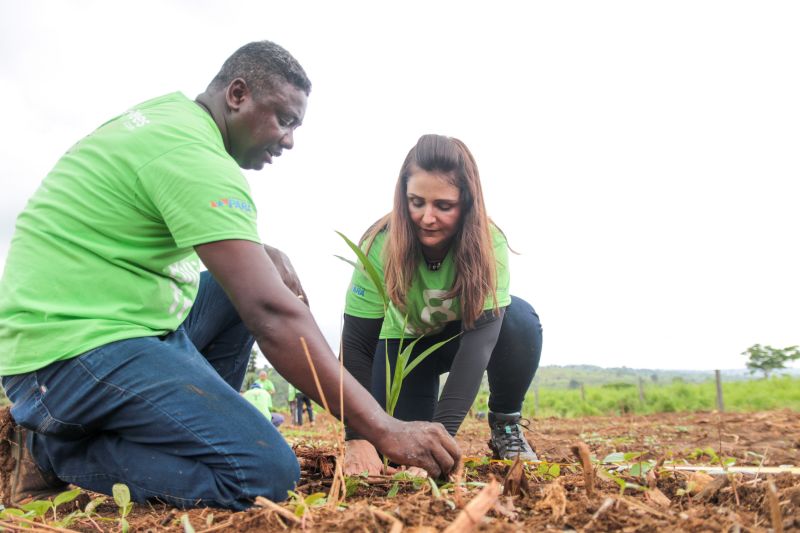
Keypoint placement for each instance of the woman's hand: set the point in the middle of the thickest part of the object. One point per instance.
(360, 456)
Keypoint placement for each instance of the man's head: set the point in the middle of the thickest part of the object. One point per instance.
(258, 99)
(262, 375)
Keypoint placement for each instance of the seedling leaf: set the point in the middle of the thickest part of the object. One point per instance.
(315, 500)
(616, 457)
(122, 496)
(65, 497)
(38, 508)
(368, 267)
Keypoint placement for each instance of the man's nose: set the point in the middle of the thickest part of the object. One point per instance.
(287, 141)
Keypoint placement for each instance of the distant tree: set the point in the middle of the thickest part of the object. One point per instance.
(654, 378)
(574, 384)
(252, 370)
(767, 359)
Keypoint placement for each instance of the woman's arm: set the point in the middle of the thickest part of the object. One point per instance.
(467, 371)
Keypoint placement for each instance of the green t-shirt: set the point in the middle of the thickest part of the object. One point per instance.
(428, 312)
(261, 400)
(268, 387)
(103, 251)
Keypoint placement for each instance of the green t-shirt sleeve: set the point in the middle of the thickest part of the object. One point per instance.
(201, 196)
(503, 273)
(363, 298)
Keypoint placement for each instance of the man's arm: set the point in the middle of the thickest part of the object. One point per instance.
(277, 318)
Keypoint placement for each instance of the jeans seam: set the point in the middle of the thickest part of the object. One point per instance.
(233, 463)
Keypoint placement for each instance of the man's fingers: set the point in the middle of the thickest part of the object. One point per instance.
(443, 459)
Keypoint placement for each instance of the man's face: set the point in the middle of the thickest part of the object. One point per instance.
(260, 128)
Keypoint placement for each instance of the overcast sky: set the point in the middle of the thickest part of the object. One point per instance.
(641, 156)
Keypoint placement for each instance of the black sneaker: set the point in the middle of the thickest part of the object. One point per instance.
(507, 440)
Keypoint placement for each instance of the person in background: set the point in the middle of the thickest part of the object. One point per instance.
(303, 399)
(262, 400)
(266, 384)
(132, 374)
(444, 266)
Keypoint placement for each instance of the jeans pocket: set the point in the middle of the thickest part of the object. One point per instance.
(30, 411)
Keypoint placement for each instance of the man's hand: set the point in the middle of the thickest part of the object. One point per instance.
(422, 444)
(287, 272)
(360, 456)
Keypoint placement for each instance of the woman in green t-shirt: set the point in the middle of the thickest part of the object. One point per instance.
(444, 269)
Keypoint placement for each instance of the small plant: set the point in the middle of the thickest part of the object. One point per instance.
(303, 504)
(402, 365)
(548, 471)
(122, 497)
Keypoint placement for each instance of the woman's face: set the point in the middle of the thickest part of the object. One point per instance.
(435, 210)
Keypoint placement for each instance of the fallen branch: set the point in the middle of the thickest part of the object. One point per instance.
(774, 507)
(607, 503)
(470, 516)
(581, 451)
(397, 525)
(37, 526)
(633, 503)
(285, 513)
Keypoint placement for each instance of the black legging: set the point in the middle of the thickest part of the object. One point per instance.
(512, 363)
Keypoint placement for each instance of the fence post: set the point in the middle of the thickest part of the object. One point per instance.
(583, 393)
(720, 403)
(641, 391)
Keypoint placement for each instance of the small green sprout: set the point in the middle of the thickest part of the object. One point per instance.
(122, 497)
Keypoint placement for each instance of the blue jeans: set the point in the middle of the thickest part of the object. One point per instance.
(163, 415)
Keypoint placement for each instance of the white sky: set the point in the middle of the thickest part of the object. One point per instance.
(642, 156)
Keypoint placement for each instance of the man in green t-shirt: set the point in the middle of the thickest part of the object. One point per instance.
(122, 359)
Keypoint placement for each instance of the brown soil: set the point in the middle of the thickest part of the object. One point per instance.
(675, 501)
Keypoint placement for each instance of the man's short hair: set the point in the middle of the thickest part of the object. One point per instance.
(261, 64)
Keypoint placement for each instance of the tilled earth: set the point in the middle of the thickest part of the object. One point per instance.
(556, 495)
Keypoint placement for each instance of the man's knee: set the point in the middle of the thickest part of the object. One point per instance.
(273, 472)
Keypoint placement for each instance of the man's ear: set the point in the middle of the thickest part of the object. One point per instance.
(236, 94)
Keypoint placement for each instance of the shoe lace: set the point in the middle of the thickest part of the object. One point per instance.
(511, 435)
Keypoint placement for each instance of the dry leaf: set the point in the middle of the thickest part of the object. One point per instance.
(555, 498)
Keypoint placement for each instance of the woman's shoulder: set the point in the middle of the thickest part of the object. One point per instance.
(498, 236)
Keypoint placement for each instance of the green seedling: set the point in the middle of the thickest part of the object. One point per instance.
(36, 509)
(352, 483)
(619, 480)
(122, 497)
(187, 525)
(303, 504)
(548, 471)
(394, 490)
(637, 469)
(416, 481)
(402, 366)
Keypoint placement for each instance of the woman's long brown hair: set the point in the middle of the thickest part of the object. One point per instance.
(473, 253)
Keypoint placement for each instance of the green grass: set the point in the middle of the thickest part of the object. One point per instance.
(752, 395)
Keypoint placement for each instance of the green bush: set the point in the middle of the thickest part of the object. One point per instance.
(677, 396)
